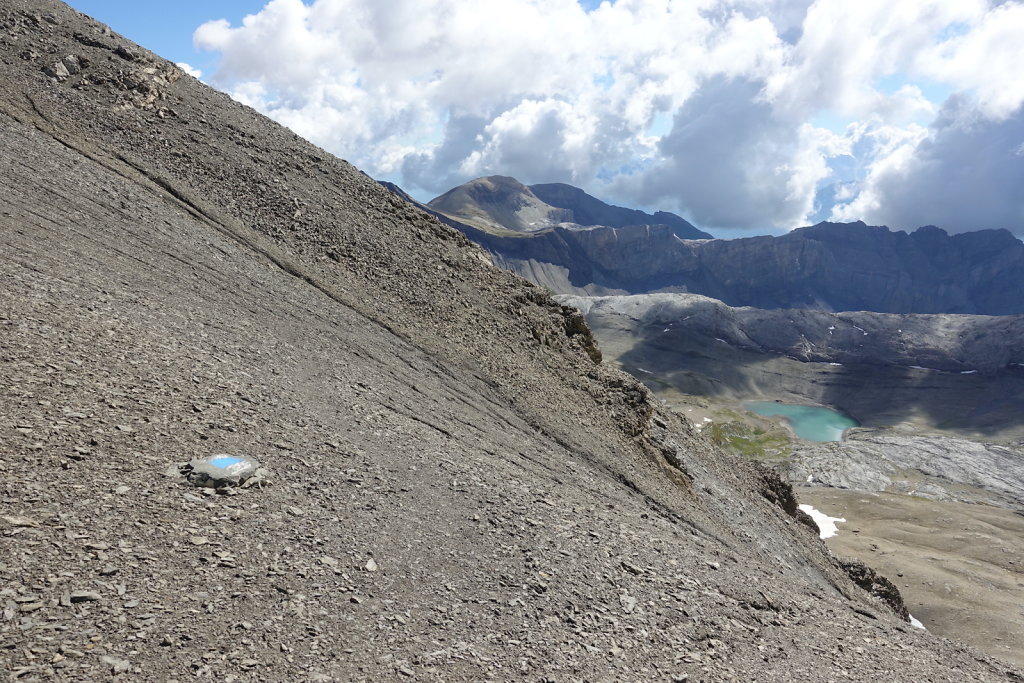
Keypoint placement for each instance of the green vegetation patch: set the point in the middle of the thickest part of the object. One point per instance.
(772, 445)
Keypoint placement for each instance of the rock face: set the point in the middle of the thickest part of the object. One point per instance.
(939, 468)
(182, 277)
(966, 344)
(829, 266)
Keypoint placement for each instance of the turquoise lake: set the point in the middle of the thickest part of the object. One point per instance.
(809, 422)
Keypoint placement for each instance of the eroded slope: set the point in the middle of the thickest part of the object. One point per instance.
(181, 277)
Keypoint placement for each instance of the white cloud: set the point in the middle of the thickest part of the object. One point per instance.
(189, 69)
(964, 174)
(702, 106)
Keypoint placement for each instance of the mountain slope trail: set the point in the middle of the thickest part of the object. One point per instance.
(457, 488)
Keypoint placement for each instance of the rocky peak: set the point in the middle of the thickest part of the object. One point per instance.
(499, 203)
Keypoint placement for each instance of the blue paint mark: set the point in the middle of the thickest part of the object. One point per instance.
(225, 462)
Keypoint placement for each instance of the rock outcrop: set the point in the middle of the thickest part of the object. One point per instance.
(935, 467)
(456, 489)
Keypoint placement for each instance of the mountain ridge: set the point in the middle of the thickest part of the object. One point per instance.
(826, 266)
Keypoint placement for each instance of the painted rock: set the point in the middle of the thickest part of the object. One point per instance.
(220, 470)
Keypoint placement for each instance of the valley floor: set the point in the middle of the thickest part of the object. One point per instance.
(957, 564)
(959, 567)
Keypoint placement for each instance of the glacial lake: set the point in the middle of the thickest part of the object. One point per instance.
(809, 422)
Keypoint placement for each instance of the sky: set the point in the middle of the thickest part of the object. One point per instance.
(744, 116)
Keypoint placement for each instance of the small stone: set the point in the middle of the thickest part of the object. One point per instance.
(117, 665)
(121, 490)
(628, 603)
(125, 53)
(406, 671)
(631, 568)
(85, 596)
(371, 565)
(15, 520)
(72, 63)
(198, 540)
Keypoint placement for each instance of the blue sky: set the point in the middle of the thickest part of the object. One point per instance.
(744, 116)
(166, 27)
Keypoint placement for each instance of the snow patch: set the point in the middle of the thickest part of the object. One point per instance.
(969, 372)
(826, 525)
(915, 623)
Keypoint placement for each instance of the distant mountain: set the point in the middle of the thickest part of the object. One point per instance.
(500, 204)
(829, 266)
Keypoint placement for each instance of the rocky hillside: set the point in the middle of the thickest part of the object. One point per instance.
(456, 487)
